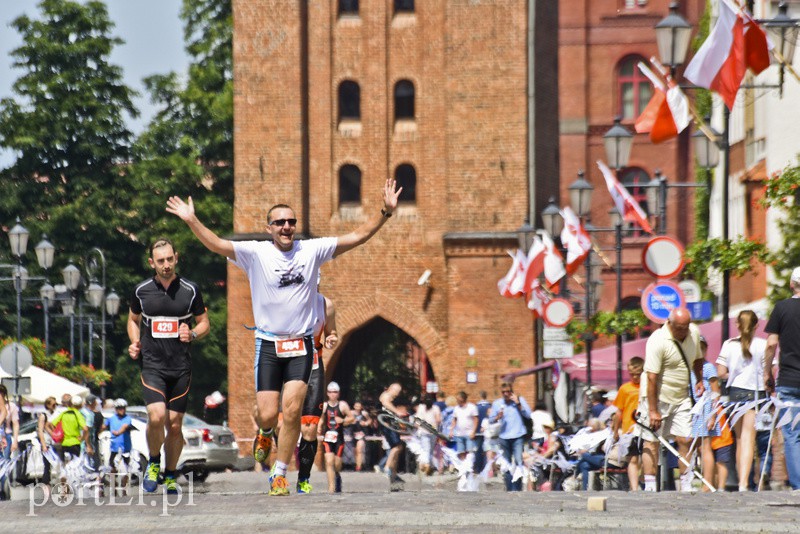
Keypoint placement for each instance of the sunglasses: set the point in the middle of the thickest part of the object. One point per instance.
(506, 391)
(281, 222)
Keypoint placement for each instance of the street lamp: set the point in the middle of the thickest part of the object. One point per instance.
(95, 294)
(673, 35)
(618, 141)
(783, 30)
(580, 197)
(45, 253)
(551, 218)
(616, 218)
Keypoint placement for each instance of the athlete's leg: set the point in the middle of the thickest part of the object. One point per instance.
(173, 444)
(360, 446)
(330, 468)
(294, 393)
(156, 420)
(267, 404)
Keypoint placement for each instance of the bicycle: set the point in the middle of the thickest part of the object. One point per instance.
(407, 425)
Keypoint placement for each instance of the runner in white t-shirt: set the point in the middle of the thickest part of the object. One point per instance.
(283, 287)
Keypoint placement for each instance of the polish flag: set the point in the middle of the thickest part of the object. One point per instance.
(630, 209)
(575, 239)
(512, 284)
(535, 264)
(537, 299)
(553, 263)
(735, 43)
(667, 113)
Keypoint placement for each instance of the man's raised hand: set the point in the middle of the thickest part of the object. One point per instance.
(390, 195)
(176, 206)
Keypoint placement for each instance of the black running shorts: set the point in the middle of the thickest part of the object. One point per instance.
(315, 394)
(273, 372)
(169, 387)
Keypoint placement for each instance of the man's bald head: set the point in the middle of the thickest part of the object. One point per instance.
(679, 319)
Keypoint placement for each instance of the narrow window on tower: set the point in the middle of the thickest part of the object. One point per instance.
(633, 87)
(349, 101)
(348, 8)
(403, 100)
(406, 177)
(349, 185)
(403, 6)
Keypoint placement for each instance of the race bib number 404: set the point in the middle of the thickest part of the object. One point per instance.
(164, 327)
(289, 348)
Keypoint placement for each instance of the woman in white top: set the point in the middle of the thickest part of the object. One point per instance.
(741, 362)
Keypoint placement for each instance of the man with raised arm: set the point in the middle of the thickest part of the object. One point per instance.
(283, 286)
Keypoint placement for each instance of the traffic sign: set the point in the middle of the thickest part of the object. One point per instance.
(554, 334)
(558, 312)
(15, 358)
(691, 290)
(658, 299)
(700, 311)
(662, 257)
(552, 350)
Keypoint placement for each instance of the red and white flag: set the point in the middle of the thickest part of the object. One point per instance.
(630, 210)
(553, 263)
(512, 284)
(575, 239)
(735, 43)
(667, 113)
(535, 264)
(537, 299)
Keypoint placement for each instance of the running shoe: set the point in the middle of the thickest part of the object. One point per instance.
(171, 485)
(338, 483)
(303, 486)
(261, 446)
(150, 481)
(278, 485)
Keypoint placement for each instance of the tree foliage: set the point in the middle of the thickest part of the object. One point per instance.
(782, 193)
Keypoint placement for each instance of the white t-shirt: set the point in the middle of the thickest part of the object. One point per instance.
(465, 419)
(283, 285)
(745, 374)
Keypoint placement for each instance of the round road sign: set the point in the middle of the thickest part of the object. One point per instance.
(558, 312)
(662, 257)
(12, 365)
(658, 299)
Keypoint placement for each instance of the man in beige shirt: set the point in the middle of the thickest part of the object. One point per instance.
(665, 402)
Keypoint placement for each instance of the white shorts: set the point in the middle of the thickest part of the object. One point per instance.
(676, 420)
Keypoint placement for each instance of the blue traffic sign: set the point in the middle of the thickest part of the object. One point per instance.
(700, 311)
(659, 299)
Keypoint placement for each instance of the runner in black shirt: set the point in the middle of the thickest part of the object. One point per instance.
(162, 309)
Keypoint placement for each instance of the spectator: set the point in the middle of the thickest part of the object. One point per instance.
(722, 445)
(441, 401)
(672, 355)
(360, 428)
(464, 425)
(9, 421)
(44, 432)
(94, 422)
(626, 402)
(510, 409)
(608, 412)
(783, 328)
(700, 427)
(75, 430)
(598, 404)
(592, 457)
(483, 406)
(540, 417)
(428, 412)
(119, 425)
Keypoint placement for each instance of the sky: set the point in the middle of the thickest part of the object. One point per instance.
(153, 36)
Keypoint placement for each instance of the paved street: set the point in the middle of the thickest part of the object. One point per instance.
(237, 501)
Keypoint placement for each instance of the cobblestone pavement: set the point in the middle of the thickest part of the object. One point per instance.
(237, 502)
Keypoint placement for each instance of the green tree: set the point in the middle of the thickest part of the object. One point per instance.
(187, 150)
(66, 126)
(783, 194)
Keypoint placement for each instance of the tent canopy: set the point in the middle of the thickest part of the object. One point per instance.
(46, 384)
(604, 361)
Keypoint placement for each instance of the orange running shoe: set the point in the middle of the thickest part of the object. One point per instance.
(262, 446)
(279, 486)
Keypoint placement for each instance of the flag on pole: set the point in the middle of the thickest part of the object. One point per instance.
(575, 239)
(512, 284)
(553, 263)
(735, 43)
(537, 299)
(630, 210)
(535, 264)
(667, 113)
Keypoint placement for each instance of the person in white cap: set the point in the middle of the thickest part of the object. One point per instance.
(75, 430)
(335, 415)
(783, 328)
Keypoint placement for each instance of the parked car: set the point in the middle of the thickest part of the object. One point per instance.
(218, 443)
(192, 457)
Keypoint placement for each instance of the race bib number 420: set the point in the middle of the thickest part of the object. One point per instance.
(288, 348)
(164, 327)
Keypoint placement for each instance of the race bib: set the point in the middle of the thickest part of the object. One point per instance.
(331, 436)
(164, 327)
(289, 348)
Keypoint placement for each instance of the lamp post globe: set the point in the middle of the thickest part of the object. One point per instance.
(18, 237)
(673, 35)
(618, 142)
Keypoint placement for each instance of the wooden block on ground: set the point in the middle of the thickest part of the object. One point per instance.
(596, 504)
